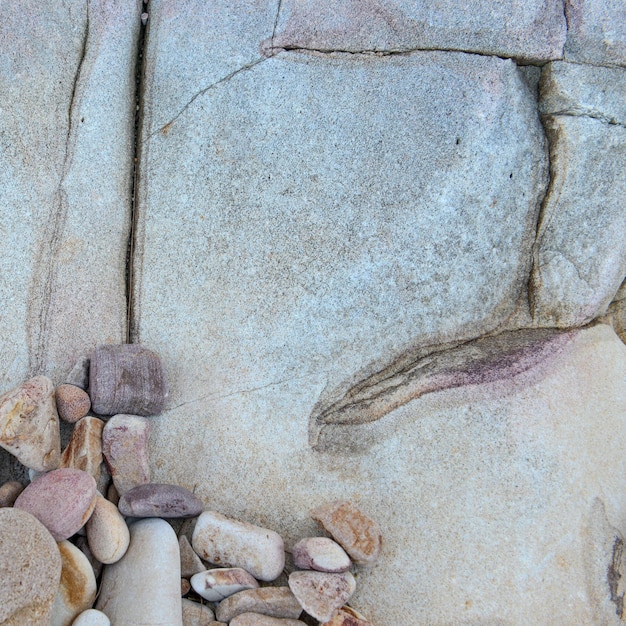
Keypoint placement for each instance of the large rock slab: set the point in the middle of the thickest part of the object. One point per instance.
(580, 258)
(596, 32)
(67, 84)
(532, 30)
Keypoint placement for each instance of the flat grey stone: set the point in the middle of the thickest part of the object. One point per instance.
(580, 259)
(533, 30)
(574, 89)
(67, 84)
(596, 31)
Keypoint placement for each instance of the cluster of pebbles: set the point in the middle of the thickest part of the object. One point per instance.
(86, 542)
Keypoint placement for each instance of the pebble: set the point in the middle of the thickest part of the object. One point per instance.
(73, 403)
(321, 554)
(159, 500)
(125, 448)
(359, 535)
(91, 617)
(107, 533)
(320, 594)
(231, 543)
(216, 584)
(31, 569)
(62, 500)
(143, 588)
(185, 586)
(77, 588)
(272, 601)
(84, 450)
(190, 562)
(256, 619)
(82, 544)
(29, 424)
(79, 375)
(126, 378)
(195, 614)
(112, 494)
(9, 492)
(347, 616)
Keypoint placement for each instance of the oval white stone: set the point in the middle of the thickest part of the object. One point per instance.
(216, 584)
(322, 554)
(91, 617)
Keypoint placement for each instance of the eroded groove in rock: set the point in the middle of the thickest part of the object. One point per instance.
(489, 359)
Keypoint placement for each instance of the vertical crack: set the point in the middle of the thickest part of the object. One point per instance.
(132, 233)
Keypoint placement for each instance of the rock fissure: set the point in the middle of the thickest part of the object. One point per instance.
(590, 114)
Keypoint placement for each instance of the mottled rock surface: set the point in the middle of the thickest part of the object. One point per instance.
(9, 492)
(272, 601)
(159, 500)
(196, 614)
(320, 594)
(84, 450)
(72, 402)
(217, 584)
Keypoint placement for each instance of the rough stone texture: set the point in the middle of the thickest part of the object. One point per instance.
(256, 619)
(580, 257)
(28, 554)
(533, 30)
(29, 424)
(573, 89)
(190, 562)
(272, 601)
(195, 614)
(596, 31)
(143, 588)
(321, 594)
(9, 492)
(77, 588)
(158, 500)
(67, 84)
(72, 402)
(347, 616)
(217, 584)
(618, 312)
(84, 451)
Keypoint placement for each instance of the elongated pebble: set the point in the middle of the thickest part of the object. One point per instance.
(320, 594)
(159, 500)
(77, 589)
(107, 532)
(347, 616)
(256, 619)
(272, 601)
(73, 403)
(196, 614)
(190, 562)
(91, 617)
(84, 450)
(321, 554)
(231, 543)
(216, 584)
(62, 500)
(359, 535)
(125, 448)
(9, 492)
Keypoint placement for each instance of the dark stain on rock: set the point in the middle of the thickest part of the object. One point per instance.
(614, 575)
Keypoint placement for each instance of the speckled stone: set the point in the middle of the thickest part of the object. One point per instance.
(9, 492)
(73, 403)
(321, 554)
(107, 532)
(320, 594)
(159, 500)
(62, 500)
(196, 614)
(272, 601)
(216, 584)
(31, 569)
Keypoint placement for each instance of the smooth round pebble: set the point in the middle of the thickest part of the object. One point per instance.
(107, 532)
(321, 554)
(216, 584)
(31, 567)
(62, 500)
(91, 617)
(73, 403)
(9, 492)
(159, 500)
(196, 614)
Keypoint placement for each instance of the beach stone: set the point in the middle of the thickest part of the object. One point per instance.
(77, 589)
(159, 500)
(82, 544)
(190, 562)
(580, 261)
(272, 601)
(574, 89)
(91, 617)
(320, 553)
(347, 616)
(256, 619)
(216, 584)
(196, 614)
(320, 594)
(130, 598)
(79, 374)
(125, 449)
(596, 32)
(73, 403)
(31, 569)
(358, 534)
(84, 450)
(231, 543)
(107, 532)
(29, 424)
(9, 492)
(532, 31)
(185, 587)
(62, 500)
(126, 378)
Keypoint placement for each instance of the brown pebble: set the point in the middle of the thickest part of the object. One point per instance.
(185, 586)
(347, 616)
(84, 451)
(195, 614)
(9, 492)
(73, 403)
(272, 601)
(358, 534)
(112, 494)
